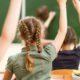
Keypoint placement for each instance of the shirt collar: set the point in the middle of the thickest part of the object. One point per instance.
(33, 48)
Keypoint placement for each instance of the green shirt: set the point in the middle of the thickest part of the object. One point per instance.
(42, 62)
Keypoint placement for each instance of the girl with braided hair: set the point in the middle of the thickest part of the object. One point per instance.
(35, 60)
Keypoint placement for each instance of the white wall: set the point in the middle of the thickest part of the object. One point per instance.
(13, 49)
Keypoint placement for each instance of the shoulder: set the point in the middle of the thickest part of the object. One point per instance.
(49, 46)
(50, 50)
(15, 57)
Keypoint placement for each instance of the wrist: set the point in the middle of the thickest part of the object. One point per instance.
(62, 6)
(50, 18)
(11, 1)
(15, 3)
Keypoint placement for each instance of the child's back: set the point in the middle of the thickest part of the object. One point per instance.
(42, 65)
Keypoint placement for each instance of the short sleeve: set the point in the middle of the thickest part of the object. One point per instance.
(51, 50)
(9, 65)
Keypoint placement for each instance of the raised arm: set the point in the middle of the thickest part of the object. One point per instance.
(50, 18)
(76, 4)
(10, 25)
(62, 25)
(58, 41)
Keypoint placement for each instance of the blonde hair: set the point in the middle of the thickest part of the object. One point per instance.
(30, 30)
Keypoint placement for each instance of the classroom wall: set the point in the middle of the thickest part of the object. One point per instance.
(3, 10)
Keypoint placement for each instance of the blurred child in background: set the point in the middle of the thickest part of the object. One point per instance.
(46, 17)
(69, 56)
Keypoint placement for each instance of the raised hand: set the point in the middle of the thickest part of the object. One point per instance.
(76, 4)
(50, 18)
(52, 14)
(61, 2)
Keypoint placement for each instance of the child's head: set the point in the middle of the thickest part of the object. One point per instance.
(71, 37)
(42, 13)
(30, 31)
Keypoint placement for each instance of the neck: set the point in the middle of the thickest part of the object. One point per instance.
(68, 47)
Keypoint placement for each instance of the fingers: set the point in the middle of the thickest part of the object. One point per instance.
(62, 2)
(74, 3)
(52, 13)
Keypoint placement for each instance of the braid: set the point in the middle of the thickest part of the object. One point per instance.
(27, 37)
(30, 30)
(38, 41)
